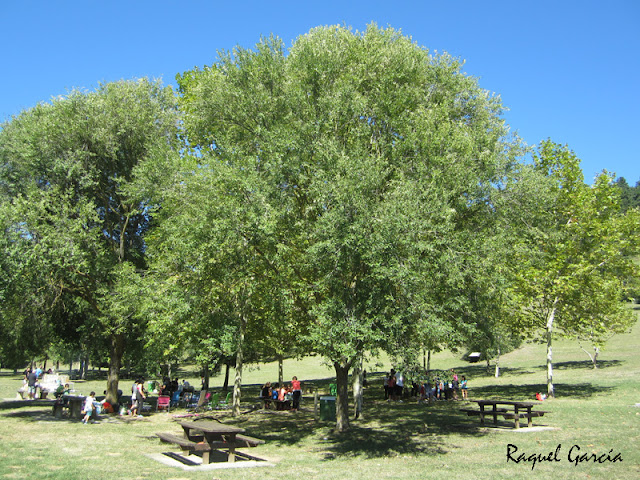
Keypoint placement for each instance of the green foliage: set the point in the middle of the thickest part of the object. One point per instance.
(629, 196)
(71, 223)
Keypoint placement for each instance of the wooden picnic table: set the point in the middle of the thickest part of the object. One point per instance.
(519, 410)
(216, 435)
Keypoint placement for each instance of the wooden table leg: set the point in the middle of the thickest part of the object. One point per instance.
(231, 457)
(495, 414)
(481, 414)
(517, 417)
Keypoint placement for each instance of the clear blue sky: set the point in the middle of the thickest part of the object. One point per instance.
(567, 70)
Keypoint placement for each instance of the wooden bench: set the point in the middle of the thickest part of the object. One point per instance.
(517, 416)
(183, 443)
(246, 441)
(282, 404)
(197, 443)
(203, 448)
(279, 404)
(473, 411)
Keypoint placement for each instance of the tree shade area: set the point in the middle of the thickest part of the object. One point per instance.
(352, 195)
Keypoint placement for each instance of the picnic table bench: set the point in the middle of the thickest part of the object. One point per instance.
(204, 437)
(280, 404)
(518, 410)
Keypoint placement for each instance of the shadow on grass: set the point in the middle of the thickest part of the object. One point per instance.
(44, 413)
(403, 429)
(586, 364)
(528, 392)
(389, 429)
(375, 443)
(481, 371)
(13, 404)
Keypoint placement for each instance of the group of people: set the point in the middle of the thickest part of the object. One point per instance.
(393, 386)
(92, 406)
(440, 389)
(445, 387)
(170, 387)
(31, 382)
(282, 393)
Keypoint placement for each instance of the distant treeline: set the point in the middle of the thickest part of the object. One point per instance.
(630, 197)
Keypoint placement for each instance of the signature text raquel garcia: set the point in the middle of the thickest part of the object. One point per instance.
(575, 455)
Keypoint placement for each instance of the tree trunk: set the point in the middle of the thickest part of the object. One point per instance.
(429, 360)
(239, 361)
(227, 369)
(205, 378)
(358, 390)
(84, 367)
(280, 370)
(550, 321)
(594, 357)
(342, 402)
(497, 374)
(115, 361)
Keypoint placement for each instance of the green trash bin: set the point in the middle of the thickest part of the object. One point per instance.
(328, 408)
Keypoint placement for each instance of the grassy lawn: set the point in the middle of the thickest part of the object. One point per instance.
(594, 410)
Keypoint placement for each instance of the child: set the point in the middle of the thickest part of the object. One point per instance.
(463, 387)
(88, 407)
(266, 394)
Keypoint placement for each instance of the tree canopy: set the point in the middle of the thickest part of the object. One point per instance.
(73, 227)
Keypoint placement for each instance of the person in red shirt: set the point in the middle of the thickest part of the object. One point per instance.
(297, 393)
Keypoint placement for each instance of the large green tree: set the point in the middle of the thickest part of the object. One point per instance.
(368, 162)
(65, 167)
(571, 252)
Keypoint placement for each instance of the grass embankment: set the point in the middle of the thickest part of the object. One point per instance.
(594, 410)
